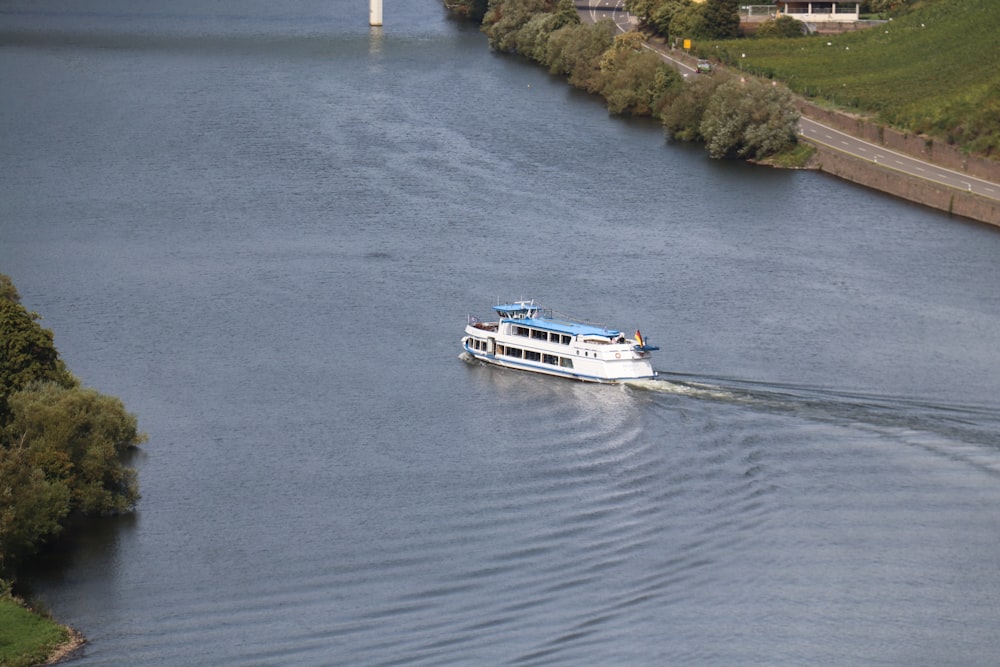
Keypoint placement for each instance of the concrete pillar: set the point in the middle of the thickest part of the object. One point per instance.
(374, 12)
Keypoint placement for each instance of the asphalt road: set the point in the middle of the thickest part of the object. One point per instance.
(810, 130)
(817, 133)
(592, 11)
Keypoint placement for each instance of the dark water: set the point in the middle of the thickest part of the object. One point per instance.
(263, 225)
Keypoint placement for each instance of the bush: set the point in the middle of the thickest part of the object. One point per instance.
(576, 51)
(523, 26)
(749, 119)
(634, 80)
(781, 27)
(682, 117)
(78, 436)
(27, 352)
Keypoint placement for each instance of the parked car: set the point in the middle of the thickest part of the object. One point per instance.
(704, 67)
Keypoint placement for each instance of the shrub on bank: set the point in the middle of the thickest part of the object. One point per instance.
(61, 444)
(783, 26)
(748, 118)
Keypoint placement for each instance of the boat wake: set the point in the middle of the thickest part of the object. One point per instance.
(960, 432)
(693, 389)
(967, 432)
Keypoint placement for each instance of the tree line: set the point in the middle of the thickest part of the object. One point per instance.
(61, 444)
(732, 116)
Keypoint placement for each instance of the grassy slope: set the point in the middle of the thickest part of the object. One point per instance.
(26, 638)
(935, 69)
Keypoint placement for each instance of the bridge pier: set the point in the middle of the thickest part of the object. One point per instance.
(375, 12)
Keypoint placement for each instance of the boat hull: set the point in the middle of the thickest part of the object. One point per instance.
(587, 362)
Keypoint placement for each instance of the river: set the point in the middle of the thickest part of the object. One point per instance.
(262, 226)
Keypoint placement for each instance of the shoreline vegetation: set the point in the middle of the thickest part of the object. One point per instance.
(62, 447)
(732, 116)
(747, 108)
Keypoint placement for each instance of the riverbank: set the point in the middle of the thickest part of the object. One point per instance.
(29, 638)
(67, 649)
(880, 176)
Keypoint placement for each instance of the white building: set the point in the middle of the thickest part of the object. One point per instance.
(810, 11)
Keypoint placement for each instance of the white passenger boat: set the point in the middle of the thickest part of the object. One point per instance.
(530, 337)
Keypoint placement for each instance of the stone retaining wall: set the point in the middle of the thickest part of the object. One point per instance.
(925, 148)
(921, 191)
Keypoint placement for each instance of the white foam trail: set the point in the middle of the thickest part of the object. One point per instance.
(667, 387)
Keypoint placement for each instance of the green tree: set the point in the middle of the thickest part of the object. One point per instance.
(663, 14)
(635, 80)
(576, 51)
(748, 119)
(525, 26)
(641, 8)
(61, 445)
(505, 18)
(7, 290)
(532, 38)
(27, 352)
(682, 117)
(722, 19)
(32, 506)
(657, 14)
(79, 435)
(688, 23)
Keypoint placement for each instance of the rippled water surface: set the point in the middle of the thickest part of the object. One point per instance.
(263, 227)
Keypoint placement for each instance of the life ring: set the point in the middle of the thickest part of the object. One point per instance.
(618, 355)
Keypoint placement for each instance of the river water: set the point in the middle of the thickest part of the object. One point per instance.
(263, 225)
